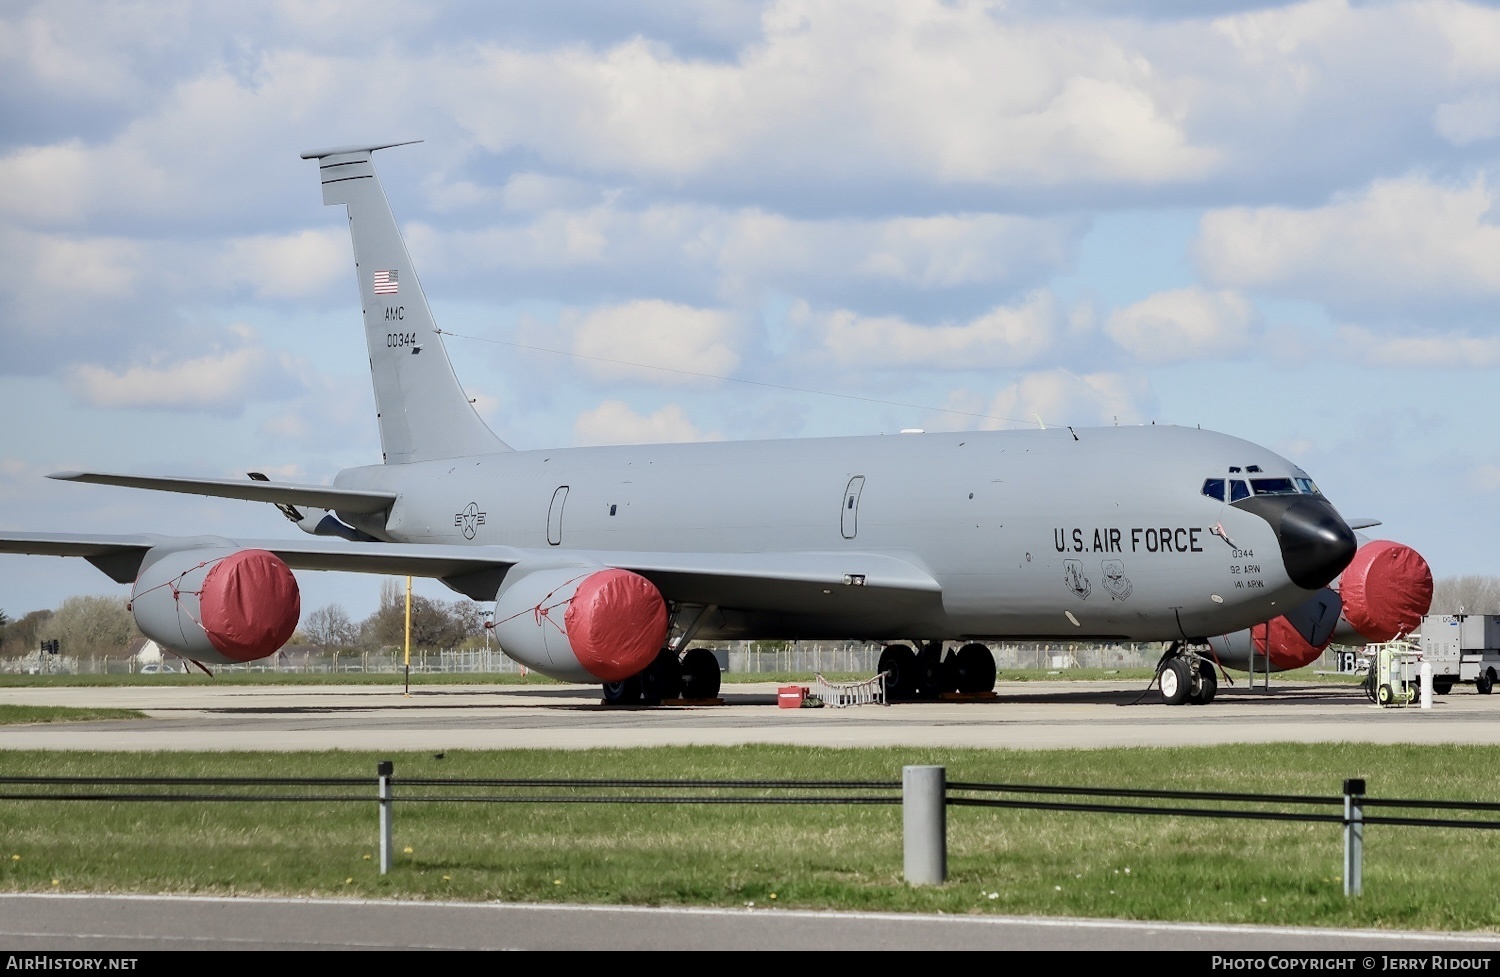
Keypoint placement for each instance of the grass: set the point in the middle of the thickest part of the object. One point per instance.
(808, 857)
(14, 715)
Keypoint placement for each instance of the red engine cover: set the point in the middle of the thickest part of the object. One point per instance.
(616, 623)
(1386, 589)
(249, 605)
(1288, 649)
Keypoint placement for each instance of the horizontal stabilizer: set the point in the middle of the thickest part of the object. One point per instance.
(321, 496)
(1362, 523)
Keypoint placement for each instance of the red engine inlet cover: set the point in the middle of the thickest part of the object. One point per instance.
(1386, 588)
(1288, 649)
(616, 623)
(249, 605)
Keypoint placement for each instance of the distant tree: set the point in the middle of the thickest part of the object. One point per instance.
(91, 626)
(1474, 594)
(434, 624)
(3, 622)
(329, 627)
(21, 636)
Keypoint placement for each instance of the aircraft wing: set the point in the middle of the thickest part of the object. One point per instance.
(1362, 522)
(779, 582)
(289, 493)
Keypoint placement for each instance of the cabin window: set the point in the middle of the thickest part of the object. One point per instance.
(1238, 490)
(1214, 488)
(1273, 486)
(611, 508)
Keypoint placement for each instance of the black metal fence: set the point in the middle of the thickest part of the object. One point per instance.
(928, 834)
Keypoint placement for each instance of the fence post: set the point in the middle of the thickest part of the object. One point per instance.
(384, 770)
(924, 817)
(1354, 836)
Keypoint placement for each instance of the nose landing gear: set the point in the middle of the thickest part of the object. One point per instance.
(1184, 675)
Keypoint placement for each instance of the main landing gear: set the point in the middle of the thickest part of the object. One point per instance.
(694, 676)
(1184, 675)
(912, 675)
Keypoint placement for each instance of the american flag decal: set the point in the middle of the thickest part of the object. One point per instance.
(385, 282)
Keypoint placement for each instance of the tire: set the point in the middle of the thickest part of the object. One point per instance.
(1385, 695)
(933, 674)
(700, 674)
(1176, 682)
(899, 663)
(1207, 686)
(662, 679)
(1442, 686)
(974, 668)
(1485, 683)
(623, 693)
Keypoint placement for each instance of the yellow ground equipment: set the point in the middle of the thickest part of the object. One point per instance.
(1394, 679)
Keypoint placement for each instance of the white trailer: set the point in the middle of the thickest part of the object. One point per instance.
(1462, 648)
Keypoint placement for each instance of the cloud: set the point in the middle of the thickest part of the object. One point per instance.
(1398, 240)
(614, 422)
(1059, 397)
(1183, 324)
(1473, 118)
(684, 344)
(948, 91)
(220, 382)
(1448, 350)
(278, 266)
(1004, 336)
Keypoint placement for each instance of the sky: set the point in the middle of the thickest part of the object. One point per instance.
(647, 220)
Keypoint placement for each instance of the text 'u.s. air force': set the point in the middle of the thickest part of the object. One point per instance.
(1151, 539)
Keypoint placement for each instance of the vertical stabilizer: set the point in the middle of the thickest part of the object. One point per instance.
(423, 411)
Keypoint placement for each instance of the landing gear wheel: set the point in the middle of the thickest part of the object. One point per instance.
(899, 663)
(1176, 681)
(1205, 687)
(626, 692)
(1485, 683)
(1385, 696)
(974, 668)
(933, 674)
(662, 679)
(700, 674)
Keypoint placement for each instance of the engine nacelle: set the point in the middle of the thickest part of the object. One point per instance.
(1387, 588)
(581, 624)
(216, 604)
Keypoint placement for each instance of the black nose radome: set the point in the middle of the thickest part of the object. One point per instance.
(1316, 543)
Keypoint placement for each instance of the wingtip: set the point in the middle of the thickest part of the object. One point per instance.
(66, 476)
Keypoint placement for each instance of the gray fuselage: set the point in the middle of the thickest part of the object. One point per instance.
(1026, 532)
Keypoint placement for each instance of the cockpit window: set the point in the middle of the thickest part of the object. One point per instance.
(1214, 488)
(1306, 486)
(1238, 490)
(1252, 468)
(1273, 486)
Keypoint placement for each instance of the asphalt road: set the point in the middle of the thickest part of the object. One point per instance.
(1024, 715)
(122, 924)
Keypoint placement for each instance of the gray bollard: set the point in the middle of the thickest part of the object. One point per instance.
(386, 799)
(924, 817)
(1354, 837)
